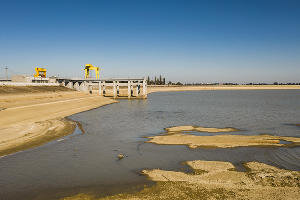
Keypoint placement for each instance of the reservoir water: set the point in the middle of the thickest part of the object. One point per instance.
(88, 162)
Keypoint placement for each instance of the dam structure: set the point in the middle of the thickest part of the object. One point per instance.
(116, 88)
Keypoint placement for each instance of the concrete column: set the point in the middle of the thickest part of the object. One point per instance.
(70, 85)
(104, 88)
(100, 88)
(90, 87)
(129, 89)
(137, 90)
(118, 88)
(114, 89)
(76, 86)
(84, 87)
(144, 88)
(80, 86)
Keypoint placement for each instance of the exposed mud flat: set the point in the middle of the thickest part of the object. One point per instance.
(225, 141)
(178, 136)
(216, 180)
(200, 129)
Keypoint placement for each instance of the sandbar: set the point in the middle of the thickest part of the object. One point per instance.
(179, 135)
(224, 141)
(215, 180)
(200, 129)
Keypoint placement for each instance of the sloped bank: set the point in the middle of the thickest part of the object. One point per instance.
(29, 119)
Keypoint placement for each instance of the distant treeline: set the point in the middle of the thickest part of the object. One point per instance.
(160, 80)
(275, 83)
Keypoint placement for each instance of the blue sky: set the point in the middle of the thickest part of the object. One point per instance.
(188, 41)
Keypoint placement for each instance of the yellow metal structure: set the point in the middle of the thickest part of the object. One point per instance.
(89, 67)
(40, 72)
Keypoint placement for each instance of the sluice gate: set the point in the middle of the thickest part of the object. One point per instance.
(116, 88)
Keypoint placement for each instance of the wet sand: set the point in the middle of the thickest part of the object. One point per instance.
(29, 119)
(28, 135)
(200, 129)
(174, 88)
(225, 141)
(216, 180)
(176, 136)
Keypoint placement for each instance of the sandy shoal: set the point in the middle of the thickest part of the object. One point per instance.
(180, 135)
(199, 129)
(223, 141)
(31, 119)
(215, 180)
(152, 89)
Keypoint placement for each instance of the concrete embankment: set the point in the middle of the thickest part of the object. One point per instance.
(31, 116)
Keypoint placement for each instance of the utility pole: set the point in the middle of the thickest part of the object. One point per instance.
(6, 68)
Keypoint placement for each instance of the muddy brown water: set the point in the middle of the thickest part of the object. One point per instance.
(88, 162)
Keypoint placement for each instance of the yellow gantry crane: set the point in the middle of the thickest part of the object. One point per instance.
(89, 67)
(40, 72)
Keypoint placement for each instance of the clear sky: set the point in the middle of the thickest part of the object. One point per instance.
(188, 41)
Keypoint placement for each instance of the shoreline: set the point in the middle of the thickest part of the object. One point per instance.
(29, 120)
(173, 88)
(36, 134)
